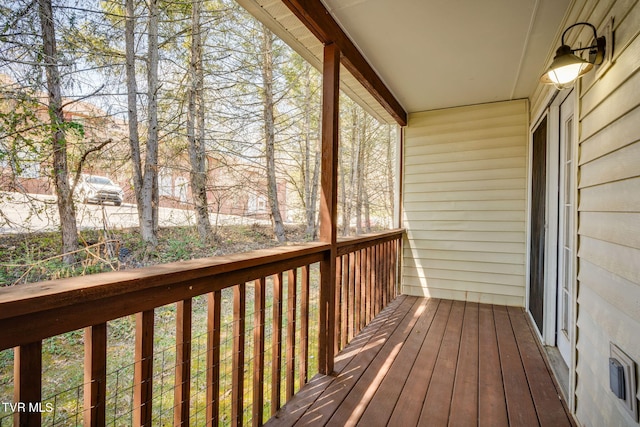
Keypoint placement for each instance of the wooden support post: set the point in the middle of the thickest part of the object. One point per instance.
(329, 205)
(27, 383)
(276, 345)
(304, 326)
(95, 374)
(237, 357)
(182, 387)
(213, 358)
(258, 352)
(292, 284)
(143, 370)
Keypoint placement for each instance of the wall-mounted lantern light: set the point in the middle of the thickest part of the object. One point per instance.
(567, 67)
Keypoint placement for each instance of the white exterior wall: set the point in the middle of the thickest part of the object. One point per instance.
(607, 301)
(464, 203)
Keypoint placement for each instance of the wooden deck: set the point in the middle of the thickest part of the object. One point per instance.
(435, 362)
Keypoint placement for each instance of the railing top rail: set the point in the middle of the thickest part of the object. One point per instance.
(36, 311)
(40, 296)
(351, 244)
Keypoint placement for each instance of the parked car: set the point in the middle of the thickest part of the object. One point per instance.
(98, 189)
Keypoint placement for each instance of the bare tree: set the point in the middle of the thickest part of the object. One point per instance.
(196, 125)
(145, 178)
(269, 132)
(64, 191)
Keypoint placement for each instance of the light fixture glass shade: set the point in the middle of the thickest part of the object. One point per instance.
(565, 68)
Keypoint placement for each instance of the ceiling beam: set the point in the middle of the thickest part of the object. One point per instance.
(319, 21)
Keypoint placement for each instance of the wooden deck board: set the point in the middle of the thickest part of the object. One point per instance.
(435, 362)
(323, 409)
(386, 396)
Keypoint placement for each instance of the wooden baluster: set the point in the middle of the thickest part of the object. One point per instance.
(360, 290)
(394, 268)
(355, 286)
(237, 359)
(343, 289)
(27, 383)
(182, 389)
(276, 347)
(143, 370)
(292, 285)
(374, 280)
(337, 308)
(385, 275)
(352, 296)
(341, 308)
(258, 352)
(213, 358)
(377, 277)
(369, 299)
(95, 374)
(304, 326)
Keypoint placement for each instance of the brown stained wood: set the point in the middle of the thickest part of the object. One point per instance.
(40, 310)
(276, 344)
(358, 309)
(341, 309)
(464, 402)
(343, 286)
(323, 408)
(403, 382)
(347, 245)
(329, 205)
(95, 374)
(143, 369)
(435, 410)
(304, 326)
(381, 406)
(385, 274)
(349, 412)
(237, 357)
(182, 389)
(410, 402)
(320, 22)
(349, 285)
(546, 396)
(362, 278)
(213, 358)
(355, 288)
(369, 283)
(258, 352)
(27, 383)
(291, 412)
(292, 296)
(520, 408)
(492, 409)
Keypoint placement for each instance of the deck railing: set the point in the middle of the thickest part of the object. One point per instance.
(260, 339)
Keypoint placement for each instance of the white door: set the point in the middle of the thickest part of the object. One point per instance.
(566, 243)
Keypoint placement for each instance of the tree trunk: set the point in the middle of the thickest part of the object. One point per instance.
(66, 207)
(311, 167)
(360, 178)
(132, 92)
(390, 162)
(150, 196)
(269, 125)
(195, 127)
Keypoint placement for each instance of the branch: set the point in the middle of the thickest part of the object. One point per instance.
(84, 158)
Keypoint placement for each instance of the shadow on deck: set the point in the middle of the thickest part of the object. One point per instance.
(435, 362)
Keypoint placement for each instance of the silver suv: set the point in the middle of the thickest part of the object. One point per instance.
(98, 189)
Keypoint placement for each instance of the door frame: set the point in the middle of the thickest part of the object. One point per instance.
(548, 334)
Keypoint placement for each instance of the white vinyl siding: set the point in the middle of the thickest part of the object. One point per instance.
(464, 203)
(608, 257)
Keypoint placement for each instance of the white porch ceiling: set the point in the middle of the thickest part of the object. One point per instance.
(443, 53)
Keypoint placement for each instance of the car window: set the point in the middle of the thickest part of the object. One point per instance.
(99, 180)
